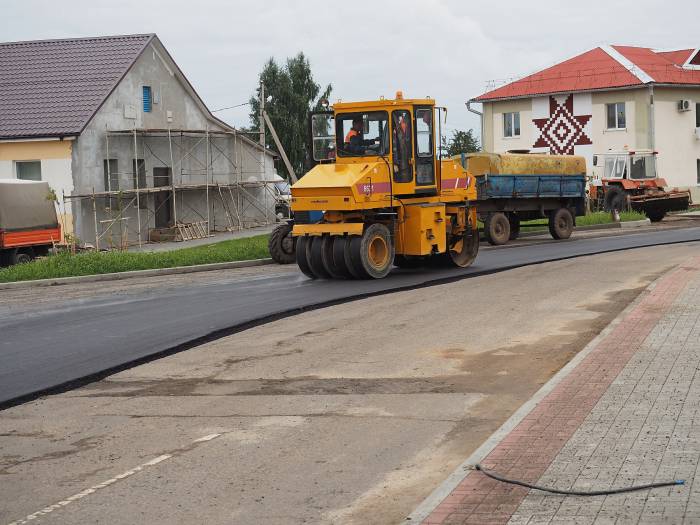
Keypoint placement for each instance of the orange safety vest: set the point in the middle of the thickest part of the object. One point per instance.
(352, 133)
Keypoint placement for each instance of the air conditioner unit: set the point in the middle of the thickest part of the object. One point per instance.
(684, 105)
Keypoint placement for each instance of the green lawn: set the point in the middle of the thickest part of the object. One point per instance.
(90, 263)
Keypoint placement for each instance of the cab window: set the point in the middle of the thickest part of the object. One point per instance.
(425, 169)
(323, 136)
(402, 152)
(362, 134)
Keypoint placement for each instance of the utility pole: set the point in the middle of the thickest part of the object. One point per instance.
(262, 111)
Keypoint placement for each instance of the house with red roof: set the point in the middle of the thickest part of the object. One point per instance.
(610, 98)
(125, 142)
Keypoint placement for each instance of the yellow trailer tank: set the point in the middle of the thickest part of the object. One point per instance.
(524, 164)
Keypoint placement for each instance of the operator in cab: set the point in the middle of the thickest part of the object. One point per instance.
(354, 141)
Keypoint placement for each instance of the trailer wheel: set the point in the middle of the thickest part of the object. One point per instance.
(561, 224)
(302, 256)
(655, 215)
(334, 270)
(514, 226)
(21, 257)
(372, 254)
(315, 257)
(281, 244)
(497, 228)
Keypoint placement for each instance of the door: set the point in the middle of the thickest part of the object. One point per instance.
(402, 152)
(425, 150)
(162, 200)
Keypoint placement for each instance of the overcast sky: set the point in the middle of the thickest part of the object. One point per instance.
(446, 49)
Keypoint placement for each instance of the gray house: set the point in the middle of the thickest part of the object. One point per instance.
(125, 142)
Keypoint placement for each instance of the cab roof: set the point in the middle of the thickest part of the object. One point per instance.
(382, 103)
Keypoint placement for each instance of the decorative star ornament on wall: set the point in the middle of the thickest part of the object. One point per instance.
(562, 130)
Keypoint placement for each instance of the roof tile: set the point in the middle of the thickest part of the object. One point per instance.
(53, 87)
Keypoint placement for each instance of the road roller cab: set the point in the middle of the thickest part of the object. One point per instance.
(385, 195)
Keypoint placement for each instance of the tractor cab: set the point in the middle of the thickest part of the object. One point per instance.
(635, 168)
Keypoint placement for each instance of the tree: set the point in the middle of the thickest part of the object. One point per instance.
(460, 142)
(294, 93)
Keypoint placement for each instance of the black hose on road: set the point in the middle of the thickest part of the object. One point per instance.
(621, 490)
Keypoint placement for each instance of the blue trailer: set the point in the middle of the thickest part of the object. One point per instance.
(519, 187)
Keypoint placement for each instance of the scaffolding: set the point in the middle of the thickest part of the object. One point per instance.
(229, 174)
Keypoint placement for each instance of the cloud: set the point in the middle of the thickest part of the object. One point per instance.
(447, 49)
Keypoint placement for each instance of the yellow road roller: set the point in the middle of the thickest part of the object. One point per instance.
(380, 194)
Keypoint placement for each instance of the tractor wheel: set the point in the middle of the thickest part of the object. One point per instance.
(281, 244)
(514, 226)
(655, 215)
(302, 256)
(315, 258)
(497, 228)
(464, 251)
(561, 224)
(372, 254)
(334, 270)
(615, 199)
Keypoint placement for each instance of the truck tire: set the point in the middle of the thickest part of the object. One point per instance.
(497, 228)
(336, 271)
(315, 257)
(21, 257)
(561, 224)
(655, 215)
(514, 226)
(372, 254)
(615, 199)
(281, 244)
(302, 256)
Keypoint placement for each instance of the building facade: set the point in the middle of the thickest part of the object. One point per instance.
(125, 142)
(612, 98)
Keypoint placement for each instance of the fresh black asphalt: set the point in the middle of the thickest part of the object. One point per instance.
(58, 348)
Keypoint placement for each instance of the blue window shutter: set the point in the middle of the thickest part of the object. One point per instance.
(147, 99)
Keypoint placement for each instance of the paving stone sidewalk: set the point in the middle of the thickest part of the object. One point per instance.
(627, 414)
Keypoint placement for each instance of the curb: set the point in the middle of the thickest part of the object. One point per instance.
(135, 273)
(429, 504)
(607, 226)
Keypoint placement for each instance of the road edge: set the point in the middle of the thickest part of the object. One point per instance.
(117, 276)
(423, 510)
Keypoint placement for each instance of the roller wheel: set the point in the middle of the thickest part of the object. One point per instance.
(281, 244)
(514, 226)
(561, 224)
(463, 252)
(497, 228)
(352, 245)
(302, 256)
(372, 255)
(315, 258)
(335, 270)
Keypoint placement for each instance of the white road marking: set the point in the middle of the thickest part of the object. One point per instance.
(206, 438)
(107, 483)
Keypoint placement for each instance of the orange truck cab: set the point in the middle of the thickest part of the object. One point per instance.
(28, 222)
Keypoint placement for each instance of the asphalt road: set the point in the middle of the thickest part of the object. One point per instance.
(41, 349)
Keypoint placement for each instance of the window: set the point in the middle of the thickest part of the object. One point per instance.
(323, 138)
(111, 175)
(29, 170)
(403, 147)
(362, 134)
(147, 99)
(511, 124)
(697, 114)
(616, 115)
(425, 171)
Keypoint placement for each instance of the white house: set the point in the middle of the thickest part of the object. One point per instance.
(608, 98)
